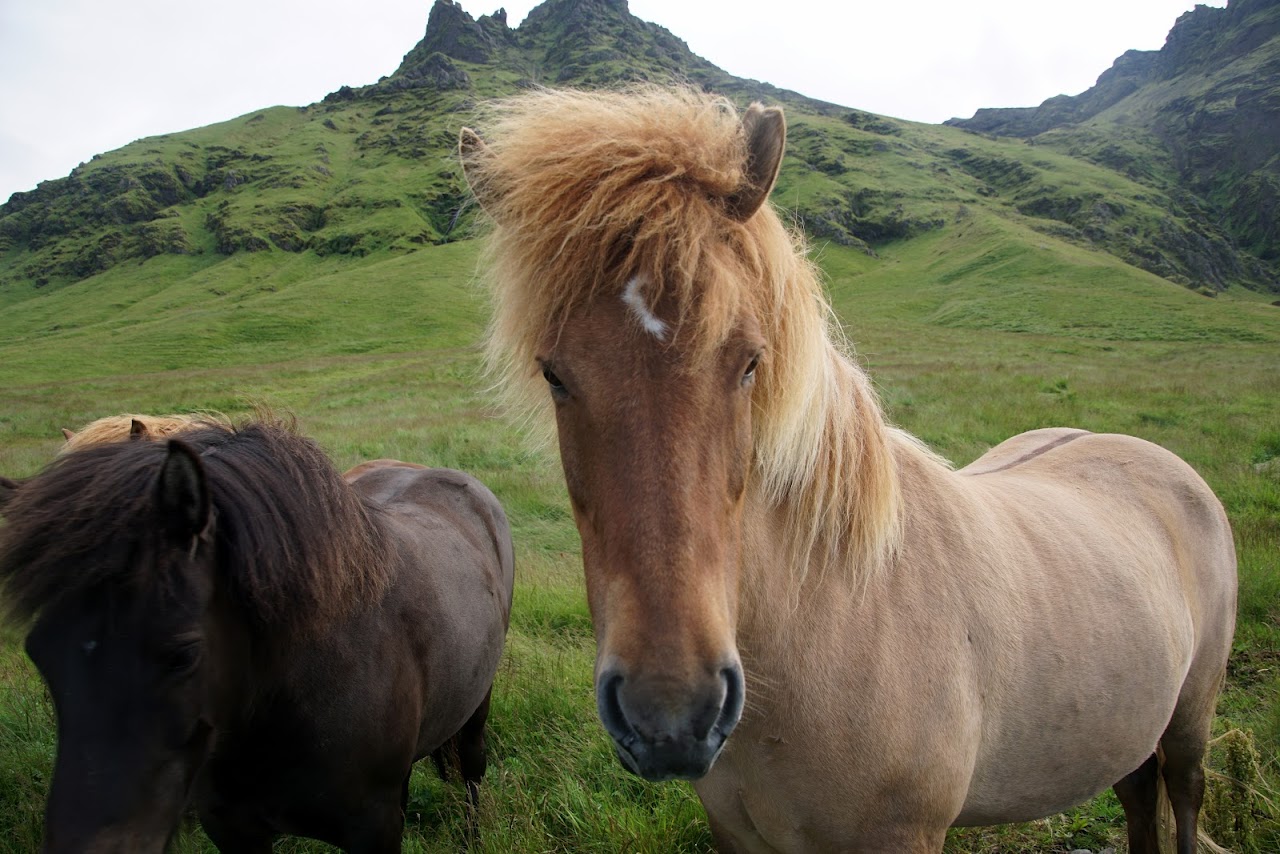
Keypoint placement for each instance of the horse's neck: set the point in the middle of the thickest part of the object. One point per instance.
(781, 591)
(826, 493)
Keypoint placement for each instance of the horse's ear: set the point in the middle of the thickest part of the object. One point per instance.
(8, 489)
(183, 493)
(67, 434)
(766, 133)
(138, 430)
(473, 152)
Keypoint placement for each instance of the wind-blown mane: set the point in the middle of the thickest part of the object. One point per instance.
(589, 191)
(114, 428)
(298, 547)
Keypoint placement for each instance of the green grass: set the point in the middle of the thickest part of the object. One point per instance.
(973, 331)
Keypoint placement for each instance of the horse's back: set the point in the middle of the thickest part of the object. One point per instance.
(1121, 481)
(1126, 500)
(438, 502)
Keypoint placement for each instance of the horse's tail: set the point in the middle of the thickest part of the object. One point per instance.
(1166, 822)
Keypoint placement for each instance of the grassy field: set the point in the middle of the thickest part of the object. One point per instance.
(974, 331)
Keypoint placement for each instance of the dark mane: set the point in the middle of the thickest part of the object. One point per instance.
(297, 545)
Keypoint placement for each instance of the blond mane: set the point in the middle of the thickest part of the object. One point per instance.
(116, 428)
(587, 190)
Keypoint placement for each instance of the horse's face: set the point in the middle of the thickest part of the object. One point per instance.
(655, 436)
(656, 459)
(132, 683)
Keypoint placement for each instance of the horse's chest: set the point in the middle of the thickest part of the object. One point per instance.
(745, 815)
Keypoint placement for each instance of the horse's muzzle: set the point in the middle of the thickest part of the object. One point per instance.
(665, 735)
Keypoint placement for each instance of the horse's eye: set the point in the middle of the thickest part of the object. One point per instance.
(182, 660)
(749, 375)
(552, 380)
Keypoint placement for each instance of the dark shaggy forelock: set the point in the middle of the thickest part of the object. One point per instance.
(296, 545)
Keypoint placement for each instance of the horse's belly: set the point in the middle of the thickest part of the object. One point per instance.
(1076, 732)
(457, 682)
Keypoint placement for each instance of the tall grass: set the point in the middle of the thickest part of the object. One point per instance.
(380, 361)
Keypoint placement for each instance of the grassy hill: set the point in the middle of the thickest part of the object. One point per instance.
(1197, 120)
(317, 260)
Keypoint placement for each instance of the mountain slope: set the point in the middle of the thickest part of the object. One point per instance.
(371, 169)
(1198, 120)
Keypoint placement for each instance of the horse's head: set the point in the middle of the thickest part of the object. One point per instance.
(126, 643)
(653, 402)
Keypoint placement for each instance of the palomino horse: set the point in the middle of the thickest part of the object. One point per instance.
(133, 426)
(224, 619)
(896, 647)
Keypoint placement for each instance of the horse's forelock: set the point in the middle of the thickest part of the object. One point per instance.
(296, 542)
(587, 190)
(67, 528)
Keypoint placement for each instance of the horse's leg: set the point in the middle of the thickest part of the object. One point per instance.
(1185, 785)
(721, 840)
(1138, 794)
(378, 830)
(229, 835)
(472, 756)
(1184, 743)
(440, 757)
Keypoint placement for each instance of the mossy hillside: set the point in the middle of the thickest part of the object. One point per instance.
(1198, 120)
(330, 180)
(372, 169)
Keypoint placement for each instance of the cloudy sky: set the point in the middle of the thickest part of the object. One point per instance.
(79, 77)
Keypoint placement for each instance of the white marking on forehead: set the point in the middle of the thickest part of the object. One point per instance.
(636, 302)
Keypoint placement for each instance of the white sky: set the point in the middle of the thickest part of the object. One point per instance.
(80, 77)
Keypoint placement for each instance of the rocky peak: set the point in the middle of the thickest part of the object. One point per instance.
(1212, 36)
(576, 12)
(1207, 37)
(454, 33)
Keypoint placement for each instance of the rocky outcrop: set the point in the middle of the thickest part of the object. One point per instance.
(454, 33)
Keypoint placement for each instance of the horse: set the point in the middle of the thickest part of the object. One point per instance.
(133, 426)
(845, 643)
(226, 623)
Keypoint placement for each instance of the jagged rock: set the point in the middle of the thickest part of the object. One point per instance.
(454, 33)
(436, 71)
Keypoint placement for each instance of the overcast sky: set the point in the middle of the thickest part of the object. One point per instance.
(80, 77)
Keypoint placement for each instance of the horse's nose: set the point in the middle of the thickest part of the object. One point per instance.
(663, 730)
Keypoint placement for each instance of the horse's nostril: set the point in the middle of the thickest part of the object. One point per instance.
(734, 695)
(610, 708)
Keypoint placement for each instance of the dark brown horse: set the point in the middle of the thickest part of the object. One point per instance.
(225, 621)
